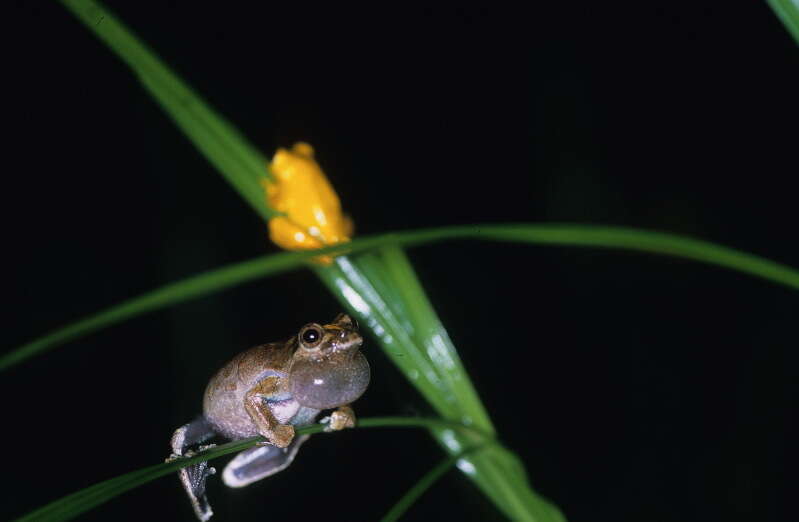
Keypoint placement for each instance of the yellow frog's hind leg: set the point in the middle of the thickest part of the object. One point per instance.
(260, 462)
(193, 477)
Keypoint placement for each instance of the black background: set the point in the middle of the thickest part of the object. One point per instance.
(634, 387)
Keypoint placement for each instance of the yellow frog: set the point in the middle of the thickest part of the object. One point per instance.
(313, 217)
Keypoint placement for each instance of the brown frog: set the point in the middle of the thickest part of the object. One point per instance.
(268, 390)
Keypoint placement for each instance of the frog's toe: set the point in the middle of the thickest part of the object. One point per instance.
(260, 462)
(340, 419)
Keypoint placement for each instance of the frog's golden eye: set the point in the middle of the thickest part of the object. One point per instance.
(310, 336)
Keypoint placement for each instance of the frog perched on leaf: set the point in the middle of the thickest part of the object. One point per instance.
(311, 215)
(268, 390)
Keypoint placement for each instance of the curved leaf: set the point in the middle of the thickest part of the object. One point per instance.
(564, 235)
(241, 164)
(423, 484)
(788, 13)
(70, 506)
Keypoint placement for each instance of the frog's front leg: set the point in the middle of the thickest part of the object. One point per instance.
(255, 402)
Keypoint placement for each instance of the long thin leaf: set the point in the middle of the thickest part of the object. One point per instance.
(564, 235)
(423, 484)
(433, 337)
(788, 13)
(70, 506)
(433, 340)
(500, 475)
(243, 165)
(173, 293)
(356, 292)
(221, 143)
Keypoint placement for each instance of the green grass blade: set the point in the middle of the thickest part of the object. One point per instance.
(422, 485)
(223, 145)
(788, 13)
(499, 475)
(433, 337)
(509, 482)
(173, 293)
(79, 502)
(372, 267)
(70, 506)
(355, 291)
(598, 237)
(563, 235)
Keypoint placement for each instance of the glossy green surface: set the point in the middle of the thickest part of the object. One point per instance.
(788, 13)
(381, 291)
(241, 164)
(549, 234)
(70, 506)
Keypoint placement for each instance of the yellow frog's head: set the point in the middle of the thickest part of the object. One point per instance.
(301, 191)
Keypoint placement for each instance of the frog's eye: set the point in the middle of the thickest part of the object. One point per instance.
(310, 336)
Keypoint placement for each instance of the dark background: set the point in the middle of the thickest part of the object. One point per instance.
(634, 387)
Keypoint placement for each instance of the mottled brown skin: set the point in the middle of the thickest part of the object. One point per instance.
(268, 389)
(231, 398)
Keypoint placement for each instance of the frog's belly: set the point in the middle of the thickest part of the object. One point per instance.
(289, 411)
(229, 418)
(304, 416)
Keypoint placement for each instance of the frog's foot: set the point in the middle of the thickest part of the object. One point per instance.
(189, 453)
(200, 449)
(260, 462)
(193, 476)
(342, 418)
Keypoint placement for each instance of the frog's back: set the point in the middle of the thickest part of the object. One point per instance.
(223, 404)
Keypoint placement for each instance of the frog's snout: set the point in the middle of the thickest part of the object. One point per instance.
(349, 341)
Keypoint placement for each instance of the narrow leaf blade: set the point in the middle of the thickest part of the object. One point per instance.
(563, 235)
(422, 485)
(70, 506)
(788, 13)
(240, 163)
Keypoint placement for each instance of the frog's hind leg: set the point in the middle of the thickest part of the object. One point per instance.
(193, 477)
(260, 462)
